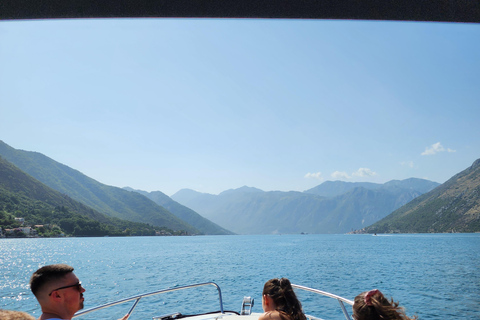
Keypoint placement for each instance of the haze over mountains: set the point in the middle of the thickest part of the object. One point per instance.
(182, 212)
(331, 207)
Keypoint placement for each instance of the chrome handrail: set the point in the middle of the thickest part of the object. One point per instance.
(138, 297)
(340, 300)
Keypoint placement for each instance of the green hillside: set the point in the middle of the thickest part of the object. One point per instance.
(112, 201)
(452, 207)
(25, 197)
(184, 213)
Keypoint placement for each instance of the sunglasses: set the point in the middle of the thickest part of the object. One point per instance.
(78, 285)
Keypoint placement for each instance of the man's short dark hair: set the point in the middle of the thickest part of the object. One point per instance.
(46, 274)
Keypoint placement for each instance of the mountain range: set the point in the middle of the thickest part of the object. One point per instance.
(183, 212)
(332, 207)
(111, 201)
(39, 187)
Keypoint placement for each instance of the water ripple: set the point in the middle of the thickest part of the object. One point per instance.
(434, 276)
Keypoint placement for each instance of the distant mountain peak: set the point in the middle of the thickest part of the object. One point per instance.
(244, 189)
(186, 192)
(475, 164)
(336, 188)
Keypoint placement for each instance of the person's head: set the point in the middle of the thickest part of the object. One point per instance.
(278, 295)
(372, 305)
(58, 290)
(15, 315)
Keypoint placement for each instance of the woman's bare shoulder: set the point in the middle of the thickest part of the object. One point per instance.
(270, 315)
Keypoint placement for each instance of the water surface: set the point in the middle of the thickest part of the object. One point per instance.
(435, 276)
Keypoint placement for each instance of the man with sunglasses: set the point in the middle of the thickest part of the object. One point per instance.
(58, 291)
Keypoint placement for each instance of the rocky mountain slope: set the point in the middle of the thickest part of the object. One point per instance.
(452, 207)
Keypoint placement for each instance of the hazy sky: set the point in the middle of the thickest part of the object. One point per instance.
(211, 105)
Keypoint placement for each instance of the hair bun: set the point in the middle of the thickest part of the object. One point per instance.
(369, 295)
(284, 282)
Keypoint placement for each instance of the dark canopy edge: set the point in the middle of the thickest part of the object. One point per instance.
(406, 10)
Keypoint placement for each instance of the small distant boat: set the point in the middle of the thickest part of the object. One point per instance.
(216, 314)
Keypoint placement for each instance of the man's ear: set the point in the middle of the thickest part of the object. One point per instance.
(56, 296)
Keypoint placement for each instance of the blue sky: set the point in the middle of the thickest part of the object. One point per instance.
(211, 105)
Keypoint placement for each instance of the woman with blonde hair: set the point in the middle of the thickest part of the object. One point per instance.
(15, 315)
(279, 301)
(372, 305)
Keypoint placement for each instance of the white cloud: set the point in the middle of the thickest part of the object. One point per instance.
(361, 172)
(316, 175)
(435, 148)
(364, 172)
(340, 175)
(407, 163)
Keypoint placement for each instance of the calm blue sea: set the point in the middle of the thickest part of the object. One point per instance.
(436, 276)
